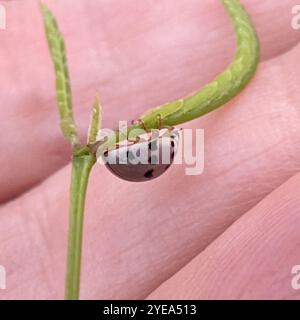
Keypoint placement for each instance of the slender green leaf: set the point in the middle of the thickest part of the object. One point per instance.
(63, 89)
(95, 122)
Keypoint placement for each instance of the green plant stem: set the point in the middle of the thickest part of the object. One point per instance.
(81, 168)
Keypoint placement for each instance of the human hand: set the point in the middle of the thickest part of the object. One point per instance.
(137, 236)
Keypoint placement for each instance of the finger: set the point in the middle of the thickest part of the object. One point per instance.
(136, 55)
(253, 259)
(137, 236)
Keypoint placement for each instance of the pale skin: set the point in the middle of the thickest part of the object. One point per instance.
(138, 236)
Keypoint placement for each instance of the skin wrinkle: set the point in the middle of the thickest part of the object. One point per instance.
(243, 162)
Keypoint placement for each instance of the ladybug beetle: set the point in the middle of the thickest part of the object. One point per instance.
(143, 159)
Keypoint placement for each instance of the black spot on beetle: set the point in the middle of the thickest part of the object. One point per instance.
(149, 174)
(153, 145)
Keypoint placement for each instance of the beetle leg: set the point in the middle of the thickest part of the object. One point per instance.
(161, 126)
(142, 124)
(136, 140)
(159, 121)
(144, 127)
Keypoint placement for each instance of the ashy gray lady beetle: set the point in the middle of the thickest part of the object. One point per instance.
(143, 159)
